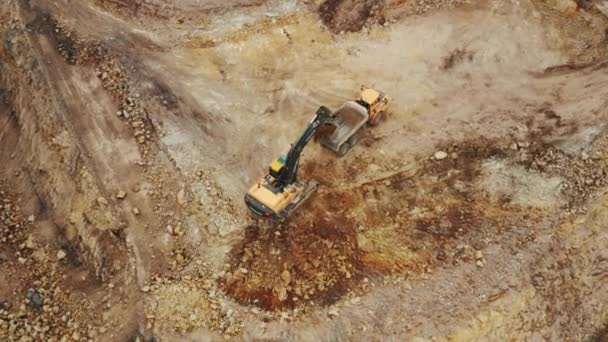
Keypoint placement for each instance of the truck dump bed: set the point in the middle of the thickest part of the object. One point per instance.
(349, 119)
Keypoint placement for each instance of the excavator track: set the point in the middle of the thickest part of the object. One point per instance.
(309, 189)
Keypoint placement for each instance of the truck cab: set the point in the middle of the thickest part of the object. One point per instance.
(375, 102)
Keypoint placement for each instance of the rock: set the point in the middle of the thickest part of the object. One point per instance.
(584, 156)
(91, 333)
(478, 255)
(38, 255)
(181, 197)
(479, 263)
(364, 244)
(121, 195)
(374, 168)
(179, 258)
(135, 211)
(61, 254)
(567, 7)
(333, 312)
(281, 293)
(29, 243)
(145, 289)
(286, 276)
(34, 298)
(355, 301)
(440, 155)
(102, 201)
(31, 219)
(514, 146)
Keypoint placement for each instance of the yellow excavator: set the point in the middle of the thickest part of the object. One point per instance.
(279, 193)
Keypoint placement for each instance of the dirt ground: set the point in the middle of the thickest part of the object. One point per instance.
(130, 131)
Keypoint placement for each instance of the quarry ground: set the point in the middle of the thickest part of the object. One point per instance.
(130, 130)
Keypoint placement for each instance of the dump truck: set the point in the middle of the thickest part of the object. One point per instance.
(351, 117)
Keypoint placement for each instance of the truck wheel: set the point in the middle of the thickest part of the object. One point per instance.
(376, 119)
(353, 140)
(344, 149)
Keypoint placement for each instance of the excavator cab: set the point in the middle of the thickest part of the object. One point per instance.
(276, 166)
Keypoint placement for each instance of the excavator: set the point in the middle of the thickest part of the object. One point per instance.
(280, 192)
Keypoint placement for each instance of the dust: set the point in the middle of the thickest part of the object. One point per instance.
(456, 57)
(44, 23)
(261, 26)
(168, 99)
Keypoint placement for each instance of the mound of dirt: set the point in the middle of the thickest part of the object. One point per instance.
(304, 264)
(350, 15)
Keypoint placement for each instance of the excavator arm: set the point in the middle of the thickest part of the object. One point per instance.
(289, 172)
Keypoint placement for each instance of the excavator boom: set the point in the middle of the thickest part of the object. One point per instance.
(292, 160)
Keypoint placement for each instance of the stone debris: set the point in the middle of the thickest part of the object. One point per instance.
(121, 195)
(34, 298)
(286, 276)
(102, 201)
(61, 254)
(181, 197)
(440, 155)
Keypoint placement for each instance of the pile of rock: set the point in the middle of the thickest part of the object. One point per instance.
(197, 302)
(10, 219)
(114, 79)
(583, 174)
